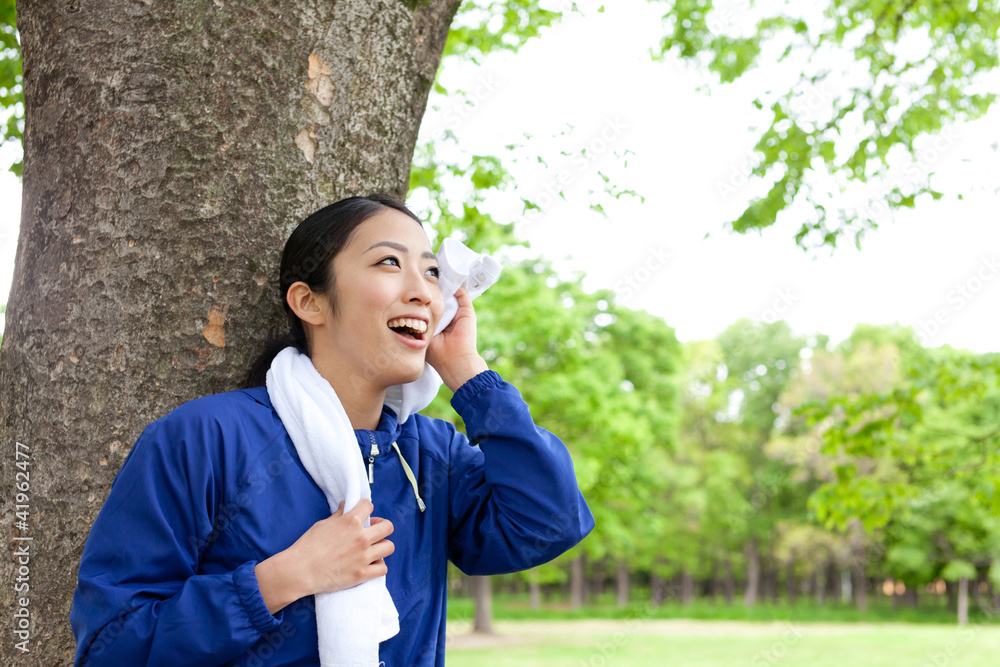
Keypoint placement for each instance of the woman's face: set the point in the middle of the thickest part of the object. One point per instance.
(386, 299)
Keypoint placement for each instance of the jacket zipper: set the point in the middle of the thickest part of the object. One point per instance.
(371, 459)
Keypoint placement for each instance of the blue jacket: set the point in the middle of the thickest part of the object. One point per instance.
(215, 486)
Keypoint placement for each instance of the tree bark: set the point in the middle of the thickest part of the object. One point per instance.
(790, 582)
(860, 588)
(730, 585)
(753, 573)
(858, 561)
(963, 601)
(687, 588)
(481, 588)
(830, 584)
(534, 590)
(772, 583)
(577, 581)
(846, 592)
(622, 583)
(169, 149)
(598, 578)
(912, 597)
(657, 589)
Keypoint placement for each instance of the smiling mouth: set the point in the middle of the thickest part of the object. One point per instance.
(413, 328)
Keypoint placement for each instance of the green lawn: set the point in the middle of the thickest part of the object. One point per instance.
(663, 643)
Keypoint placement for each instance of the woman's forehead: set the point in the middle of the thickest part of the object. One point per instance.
(393, 226)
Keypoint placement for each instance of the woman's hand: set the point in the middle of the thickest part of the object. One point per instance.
(453, 352)
(335, 553)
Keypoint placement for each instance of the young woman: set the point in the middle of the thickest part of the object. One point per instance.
(214, 539)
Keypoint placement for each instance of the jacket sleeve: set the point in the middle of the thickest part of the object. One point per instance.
(139, 598)
(514, 500)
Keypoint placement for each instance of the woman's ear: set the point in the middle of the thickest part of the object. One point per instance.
(306, 304)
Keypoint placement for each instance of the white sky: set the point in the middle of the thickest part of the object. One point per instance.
(940, 261)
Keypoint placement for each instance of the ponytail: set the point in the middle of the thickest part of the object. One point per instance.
(257, 377)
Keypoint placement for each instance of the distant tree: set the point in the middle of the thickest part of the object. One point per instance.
(916, 462)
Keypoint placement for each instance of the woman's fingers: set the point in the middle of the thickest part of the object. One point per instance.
(462, 296)
(340, 551)
(379, 529)
(361, 511)
(381, 549)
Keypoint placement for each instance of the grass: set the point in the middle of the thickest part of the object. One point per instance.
(932, 610)
(605, 643)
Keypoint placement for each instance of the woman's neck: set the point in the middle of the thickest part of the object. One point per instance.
(363, 413)
(362, 401)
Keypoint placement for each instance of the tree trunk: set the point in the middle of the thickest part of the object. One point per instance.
(753, 573)
(730, 585)
(169, 149)
(768, 584)
(963, 601)
(715, 585)
(482, 595)
(687, 588)
(622, 583)
(831, 583)
(577, 582)
(858, 562)
(601, 576)
(846, 592)
(860, 588)
(657, 589)
(534, 590)
(790, 582)
(912, 597)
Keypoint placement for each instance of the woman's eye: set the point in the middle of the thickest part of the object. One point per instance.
(391, 259)
(434, 271)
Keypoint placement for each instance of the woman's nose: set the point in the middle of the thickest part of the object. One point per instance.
(419, 290)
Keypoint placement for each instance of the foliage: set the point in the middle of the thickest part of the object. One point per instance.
(481, 28)
(916, 460)
(11, 93)
(906, 71)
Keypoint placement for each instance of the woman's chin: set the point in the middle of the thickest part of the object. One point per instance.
(405, 376)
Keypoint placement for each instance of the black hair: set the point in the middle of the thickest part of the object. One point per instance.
(308, 257)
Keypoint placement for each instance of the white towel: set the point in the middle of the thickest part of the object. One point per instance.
(352, 622)
(458, 265)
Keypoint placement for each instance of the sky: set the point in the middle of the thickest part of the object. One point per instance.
(590, 84)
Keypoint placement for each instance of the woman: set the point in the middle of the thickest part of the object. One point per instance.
(214, 539)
